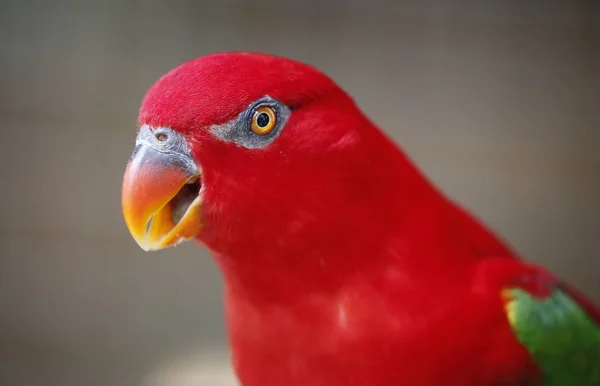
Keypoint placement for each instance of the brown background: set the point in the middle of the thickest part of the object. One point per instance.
(497, 103)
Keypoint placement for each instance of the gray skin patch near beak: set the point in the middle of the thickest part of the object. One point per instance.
(166, 140)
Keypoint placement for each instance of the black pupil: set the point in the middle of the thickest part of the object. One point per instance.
(262, 120)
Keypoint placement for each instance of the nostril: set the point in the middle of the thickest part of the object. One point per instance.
(162, 137)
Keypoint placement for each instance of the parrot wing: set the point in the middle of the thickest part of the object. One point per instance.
(561, 331)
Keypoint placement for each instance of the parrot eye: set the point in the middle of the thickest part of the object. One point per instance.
(257, 126)
(263, 120)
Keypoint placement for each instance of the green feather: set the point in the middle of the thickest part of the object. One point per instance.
(560, 336)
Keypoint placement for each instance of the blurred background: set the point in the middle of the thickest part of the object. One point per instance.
(497, 103)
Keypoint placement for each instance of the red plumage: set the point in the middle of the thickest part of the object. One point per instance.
(343, 264)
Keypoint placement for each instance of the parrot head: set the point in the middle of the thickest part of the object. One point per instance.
(256, 154)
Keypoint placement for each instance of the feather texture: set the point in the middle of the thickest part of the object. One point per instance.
(560, 335)
(343, 264)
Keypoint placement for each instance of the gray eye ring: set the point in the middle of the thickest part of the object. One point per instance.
(240, 130)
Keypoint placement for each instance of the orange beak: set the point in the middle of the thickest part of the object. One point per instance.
(161, 191)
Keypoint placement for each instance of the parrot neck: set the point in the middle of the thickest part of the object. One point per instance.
(403, 224)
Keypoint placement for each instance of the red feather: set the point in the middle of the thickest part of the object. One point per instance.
(343, 264)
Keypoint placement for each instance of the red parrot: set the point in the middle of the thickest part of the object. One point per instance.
(342, 264)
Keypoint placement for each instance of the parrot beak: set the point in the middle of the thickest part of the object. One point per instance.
(161, 190)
